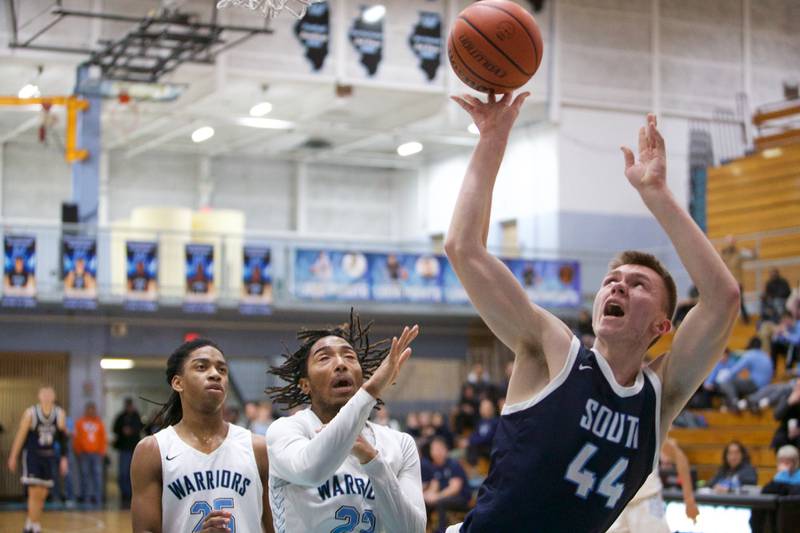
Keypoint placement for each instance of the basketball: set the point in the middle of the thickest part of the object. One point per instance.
(495, 45)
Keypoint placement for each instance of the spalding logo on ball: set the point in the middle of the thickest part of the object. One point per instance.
(495, 45)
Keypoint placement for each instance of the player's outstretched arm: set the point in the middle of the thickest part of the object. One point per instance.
(502, 303)
(700, 340)
(673, 451)
(307, 460)
(146, 484)
(19, 440)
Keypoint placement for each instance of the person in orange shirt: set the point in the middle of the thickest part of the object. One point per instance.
(90, 450)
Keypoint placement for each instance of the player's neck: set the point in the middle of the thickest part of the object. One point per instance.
(324, 413)
(204, 426)
(622, 359)
(47, 408)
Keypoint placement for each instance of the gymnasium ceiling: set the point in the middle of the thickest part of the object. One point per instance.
(364, 128)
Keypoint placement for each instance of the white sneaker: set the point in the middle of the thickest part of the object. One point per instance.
(763, 403)
(742, 404)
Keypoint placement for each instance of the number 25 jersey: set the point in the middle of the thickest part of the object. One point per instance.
(570, 458)
(194, 483)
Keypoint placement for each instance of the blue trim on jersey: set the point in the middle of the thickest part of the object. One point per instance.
(572, 457)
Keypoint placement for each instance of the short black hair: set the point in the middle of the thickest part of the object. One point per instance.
(295, 364)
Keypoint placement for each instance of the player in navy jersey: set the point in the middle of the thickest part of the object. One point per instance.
(581, 429)
(41, 427)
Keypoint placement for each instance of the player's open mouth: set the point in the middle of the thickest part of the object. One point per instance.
(215, 387)
(342, 385)
(613, 309)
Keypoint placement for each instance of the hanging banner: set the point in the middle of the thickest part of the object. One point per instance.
(313, 32)
(405, 277)
(19, 272)
(142, 276)
(366, 37)
(426, 42)
(330, 275)
(79, 271)
(200, 289)
(257, 281)
(548, 283)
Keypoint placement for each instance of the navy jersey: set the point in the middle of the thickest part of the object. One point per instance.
(42, 433)
(570, 458)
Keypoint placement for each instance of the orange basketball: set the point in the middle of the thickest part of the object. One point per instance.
(495, 45)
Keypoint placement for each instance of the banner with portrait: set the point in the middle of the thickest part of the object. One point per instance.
(330, 275)
(405, 277)
(200, 287)
(548, 283)
(19, 271)
(256, 297)
(79, 271)
(141, 292)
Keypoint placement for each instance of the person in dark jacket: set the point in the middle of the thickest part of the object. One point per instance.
(735, 470)
(128, 430)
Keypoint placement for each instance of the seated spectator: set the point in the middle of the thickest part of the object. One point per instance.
(788, 466)
(480, 442)
(426, 429)
(684, 306)
(776, 292)
(448, 487)
(412, 425)
(786, 339)
(263, 418)
(480, 380)
(760, 371)
(788, 414)
(710, 388)
(466, 413)
(770, 396)
(384, 418)
(441, 428)
(735, 470)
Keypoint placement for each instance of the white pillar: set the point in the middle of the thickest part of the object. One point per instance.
(300, 197)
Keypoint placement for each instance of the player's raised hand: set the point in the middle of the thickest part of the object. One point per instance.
(649, 174)
(692, 511)
(390, 366)
(217, 522)
(363, 450)
(493, 115)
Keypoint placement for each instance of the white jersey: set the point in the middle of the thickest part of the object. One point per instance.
(194, 483)
(316, 486)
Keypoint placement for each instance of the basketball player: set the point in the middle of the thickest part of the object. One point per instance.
(645, 512)
(330, 469)
(199, 473)
(581, 429)
(40, 428)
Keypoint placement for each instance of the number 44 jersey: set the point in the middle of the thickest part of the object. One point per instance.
(570, 458)
(195, 483)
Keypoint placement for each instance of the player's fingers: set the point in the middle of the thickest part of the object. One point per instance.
(629, 159)
(492, 97)
(658, 139)
(642, 140)
(520, 99)
(460, 101)
(404, 356)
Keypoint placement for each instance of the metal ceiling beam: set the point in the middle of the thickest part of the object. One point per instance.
(161, 139)
(176, 21)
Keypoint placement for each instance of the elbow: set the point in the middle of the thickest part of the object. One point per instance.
(458, 251)
(732, 297)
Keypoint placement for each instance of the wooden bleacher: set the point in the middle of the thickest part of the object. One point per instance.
(703, 446)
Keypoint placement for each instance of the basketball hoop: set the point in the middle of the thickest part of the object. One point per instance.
(270, 8)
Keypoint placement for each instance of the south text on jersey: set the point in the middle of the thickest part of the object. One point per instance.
(611, 425)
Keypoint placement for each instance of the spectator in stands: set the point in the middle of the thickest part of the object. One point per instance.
(384, 418)
(231, 414)
(90, 451)
(480, 442)
(584, 325)
(441, 429)
(710, 388)
(426, 429)
(776, 292)
(479, 378)
(127, 429)
(793, 303)
(466, 413)
(760, 371)
(734, 258)
(250, 414)
(788, 465)
(412, 425)
(448, 487)
(502, 388)
(684, 306)
(735, 470)
(263, 418)
(786, 339)
(788, 414)
(771, 395)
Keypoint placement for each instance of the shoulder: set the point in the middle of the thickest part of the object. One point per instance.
(385, 433)
(296, 424)
(146, 456)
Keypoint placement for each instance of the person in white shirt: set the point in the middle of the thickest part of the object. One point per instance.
(332, 471)
(199, 473)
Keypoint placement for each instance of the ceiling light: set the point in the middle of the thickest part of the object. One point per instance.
(116, 364)
(373, 14)
(473, 129)
(265, 123)
(409, 148)
(29, 91)
(202, 134)
(260, 109)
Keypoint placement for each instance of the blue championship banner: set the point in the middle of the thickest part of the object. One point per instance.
(79, 271)
(19, 272)
(548, 283)
(256, 281)
(405, 277)
(141, 279)
(200, 288)
(330, 275)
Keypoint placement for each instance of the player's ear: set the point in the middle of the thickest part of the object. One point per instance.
(177, 383)
(663, 326)
(305, 386)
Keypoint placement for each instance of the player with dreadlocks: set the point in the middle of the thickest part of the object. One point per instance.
(331, 469)
(199, 473)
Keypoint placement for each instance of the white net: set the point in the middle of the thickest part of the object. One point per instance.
(270, 8)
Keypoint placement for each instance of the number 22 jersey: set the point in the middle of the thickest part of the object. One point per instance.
(194, 483)
(570, 458)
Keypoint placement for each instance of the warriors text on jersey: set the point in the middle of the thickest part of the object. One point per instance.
(195, 483)
(317, 486)
(571, 457)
